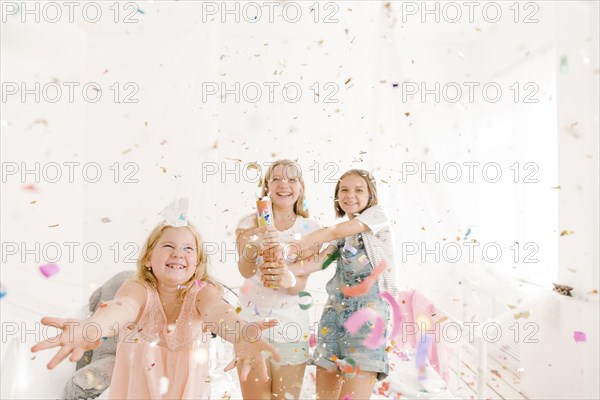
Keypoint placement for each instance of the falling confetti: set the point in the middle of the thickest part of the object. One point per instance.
(362, 316)
(366, 284)
(30, 188)
(163, 385)
(524, 314)
(564, 65)
(303, 305)
(566, 233)
(105, 220)
(350, 249)
(467, 234)
(49, 269)
(579, 337)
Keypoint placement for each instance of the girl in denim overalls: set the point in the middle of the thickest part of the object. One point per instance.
(345, 367)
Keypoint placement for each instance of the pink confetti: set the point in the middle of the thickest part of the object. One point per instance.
(395, 314)
(360, 317)
(579, 337)
(246, 287)
(312, 342)
(347, 397)
(366, 285)
(49, 269)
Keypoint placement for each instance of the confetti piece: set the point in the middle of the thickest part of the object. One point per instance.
(407, 114)
(350, 249)
(163, 385)
(331, 258)
(564, 65)
(363, 287)
(362, 316)
(467, 234)
(30, 188)
(238, 309)
(363, 260)
(347, 81)
(105, 220)
(246, 287)
(566, 233)
(312, 342)
(49, 269)
(422, 350)
(305, 306)
(2, 293)
(253, 165)
(579, 337)
(52, 226)
(261, 315)
(524, 314)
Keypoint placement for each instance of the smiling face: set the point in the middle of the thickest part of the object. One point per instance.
(353, 194)
(284, 185)
(174, 258)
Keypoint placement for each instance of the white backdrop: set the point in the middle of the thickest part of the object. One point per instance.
(180, 139)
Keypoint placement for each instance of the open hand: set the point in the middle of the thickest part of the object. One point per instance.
(71, 340)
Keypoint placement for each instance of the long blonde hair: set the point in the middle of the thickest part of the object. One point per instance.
(147, 277)
(299, 204)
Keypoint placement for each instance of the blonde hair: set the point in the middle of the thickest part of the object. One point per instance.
(146, 276)
(371, 186)
(299, 204)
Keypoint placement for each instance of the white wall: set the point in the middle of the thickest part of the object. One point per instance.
(173, 138)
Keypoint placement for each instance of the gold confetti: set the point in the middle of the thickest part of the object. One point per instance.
(105, 220)
(524, 314)
(126, 151)
(347, 81)
(566, 233)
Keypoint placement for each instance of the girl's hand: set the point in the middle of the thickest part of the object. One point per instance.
(248, 352)
(277, 276)
(71, 340)
(264, 238)
(274, 254)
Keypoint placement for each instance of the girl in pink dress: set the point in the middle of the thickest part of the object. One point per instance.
(164, 316)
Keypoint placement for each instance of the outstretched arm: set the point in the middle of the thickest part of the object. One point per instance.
(312, 243)
(74, 340)
(221, 318)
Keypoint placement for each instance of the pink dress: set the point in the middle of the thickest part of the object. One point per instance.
(154, 361)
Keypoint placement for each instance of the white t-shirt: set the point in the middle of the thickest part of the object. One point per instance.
(259, 302)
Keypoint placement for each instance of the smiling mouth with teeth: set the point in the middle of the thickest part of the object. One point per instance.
(176, 266)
